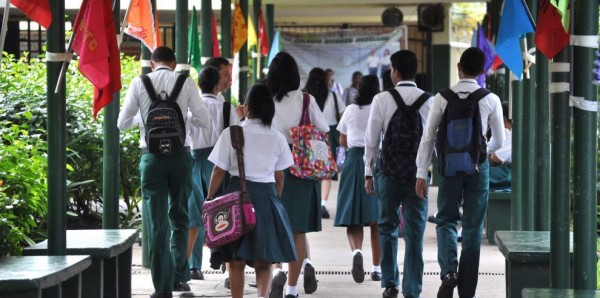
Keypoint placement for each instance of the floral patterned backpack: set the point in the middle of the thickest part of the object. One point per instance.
(310, 149)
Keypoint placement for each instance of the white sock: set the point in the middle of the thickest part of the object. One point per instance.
(276, 271)
(291, 290)
(324, 204)
(306, 261)
(376, 268)
(356, 251)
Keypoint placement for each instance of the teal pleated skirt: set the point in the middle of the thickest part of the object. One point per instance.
(302, 201)
(354, 206)
(272, 240)
(334, 143)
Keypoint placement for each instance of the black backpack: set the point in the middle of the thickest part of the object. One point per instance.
(460, 144)
(402, 138)
(165, 127)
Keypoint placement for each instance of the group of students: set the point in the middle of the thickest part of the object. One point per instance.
(175, 186)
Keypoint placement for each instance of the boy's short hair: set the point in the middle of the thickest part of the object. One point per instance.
(163, 54)
(472, 61)
(405, 62)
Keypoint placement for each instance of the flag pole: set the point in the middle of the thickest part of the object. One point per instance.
(120, 36)
(65, 64)
(4, 29)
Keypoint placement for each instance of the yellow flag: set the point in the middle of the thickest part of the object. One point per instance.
(239, 32)
(252, 40)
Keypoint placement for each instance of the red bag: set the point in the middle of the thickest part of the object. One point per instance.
(310, 149)
(231, 216)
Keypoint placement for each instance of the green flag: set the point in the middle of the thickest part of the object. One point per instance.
(194, 43)
(563, 9)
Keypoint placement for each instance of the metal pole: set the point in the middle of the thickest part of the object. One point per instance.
(226, 37)
(585, 114)
(206, 29)
(4, 29)
(517, 157)
(57, 135)
(270, 22)
(256, 50)
(181, 42)
(560, 172)
(243, 77)
(111, 154)
(146, 68)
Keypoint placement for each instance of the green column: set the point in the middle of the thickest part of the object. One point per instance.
(206, 30)
(110, 153)
(542, 166)
(57, 135)
(560, 172)
(585, 145)
(145, 65)
(517, 156)
(270, 22)
(243, 78)
(181, 42)
(256, 50)
(226, 36)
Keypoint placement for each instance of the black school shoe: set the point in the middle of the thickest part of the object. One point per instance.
(277, 284)
(391, 292)
(324, 212)
(358, 271)
(161, 295)
(196, 274)
(448, 284)
(310, 279)
(181, 287)
(375, 276)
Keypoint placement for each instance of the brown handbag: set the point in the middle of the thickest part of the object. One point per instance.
(231, 216)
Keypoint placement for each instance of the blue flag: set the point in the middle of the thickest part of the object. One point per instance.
(516, 21)
(275, 47)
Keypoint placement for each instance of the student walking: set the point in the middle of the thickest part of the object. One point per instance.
(399, 115)
(355, 208)
(465, 178)
(300, 197)
(165, 174)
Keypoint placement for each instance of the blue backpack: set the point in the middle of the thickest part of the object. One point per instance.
(460, 144)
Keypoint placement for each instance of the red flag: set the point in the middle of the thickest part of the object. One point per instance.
(262, 34)
(95, 42)
(37, 10)
(550, 35)
(215, 39)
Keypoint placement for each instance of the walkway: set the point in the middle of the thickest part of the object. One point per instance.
(332, 259)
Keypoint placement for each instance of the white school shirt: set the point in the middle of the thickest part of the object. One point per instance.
(382, 110)
(373, 61)
(207, 137)
(265, 151)
(385, 60)
(350, 95)
(354, 124)
(490, 109)
(329, 108)
(163, 78)
(505, 152)
(289, 110)
(337, 87)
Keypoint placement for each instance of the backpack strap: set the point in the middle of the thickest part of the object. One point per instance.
(237, 142)
(178, 86)
(421, 100)
(337, 109)
(478, 94)
(397, 98)
(149, 87)
(226, 113)
(448, 94)
(305, 118)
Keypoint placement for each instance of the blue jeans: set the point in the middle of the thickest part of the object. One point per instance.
(473, 190)
(414, 211)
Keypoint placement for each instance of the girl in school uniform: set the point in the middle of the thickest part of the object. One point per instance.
(202, 142)
(266, 155)
(301, 198)
(332, 106)
(355, 208)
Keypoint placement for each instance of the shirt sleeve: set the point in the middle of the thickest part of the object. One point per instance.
(285, 159)
(426, 146)
(200, 116)
(316, 116)
(341, 103)
(130, 107)
(220, 155)
(342, 127)
(496, 121)
(504, 153)
(373, 134)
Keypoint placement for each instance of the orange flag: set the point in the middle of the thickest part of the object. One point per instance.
(142, 24)
(37, 10)
(262, 34)
(95, 42)
(215, 38)
(239, 31)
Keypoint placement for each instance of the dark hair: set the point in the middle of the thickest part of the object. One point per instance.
(216, 62)
(368, 88)
(163, 54)
(329, 70)
(260, 103)
(472, 61)
(505, 110)
(283, 75)
(405, 62)
(356, 73)
(208, 78)
(387, 80)
(316, 85)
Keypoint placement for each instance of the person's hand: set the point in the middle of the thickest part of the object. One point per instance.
(421, 188)
(369, 186)
(239, 111)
